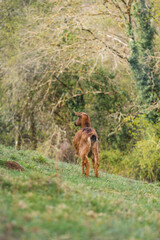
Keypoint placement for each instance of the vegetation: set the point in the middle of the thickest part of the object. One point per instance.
(52, 200)
(99, 57)
(96, 56)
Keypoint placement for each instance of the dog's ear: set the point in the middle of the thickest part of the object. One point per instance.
(78, 114)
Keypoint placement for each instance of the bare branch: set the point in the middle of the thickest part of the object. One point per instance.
(119, 8)
(124, 2)
(117, 39)
(117, 53)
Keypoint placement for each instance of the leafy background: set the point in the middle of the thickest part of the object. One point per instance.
(99, 57)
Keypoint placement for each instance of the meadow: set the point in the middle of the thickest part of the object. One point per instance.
(52, 201)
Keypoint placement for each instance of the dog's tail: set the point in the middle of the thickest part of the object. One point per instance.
(93, 138)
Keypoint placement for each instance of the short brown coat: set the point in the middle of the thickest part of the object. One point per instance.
(85, 143)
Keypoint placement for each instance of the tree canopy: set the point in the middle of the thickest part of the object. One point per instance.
(101, 57)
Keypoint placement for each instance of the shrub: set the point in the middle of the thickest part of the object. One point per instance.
(111, 160)
(141, 158)
(39, 159)
(144, 161)
(135, 129)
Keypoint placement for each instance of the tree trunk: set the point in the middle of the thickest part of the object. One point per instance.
(33, 131)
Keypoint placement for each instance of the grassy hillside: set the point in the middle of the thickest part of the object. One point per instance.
(54, 201)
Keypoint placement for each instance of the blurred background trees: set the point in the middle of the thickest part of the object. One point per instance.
(99, 57)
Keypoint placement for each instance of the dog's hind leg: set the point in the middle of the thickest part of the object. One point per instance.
(95, 160)
(85, 163)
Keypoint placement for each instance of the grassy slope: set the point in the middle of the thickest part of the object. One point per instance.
(54, 201)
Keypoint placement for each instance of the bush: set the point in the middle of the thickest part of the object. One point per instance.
(144, 161)
(135, 129)
(111, 161)
(141, 158)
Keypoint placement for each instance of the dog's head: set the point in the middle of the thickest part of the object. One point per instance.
(83, 119)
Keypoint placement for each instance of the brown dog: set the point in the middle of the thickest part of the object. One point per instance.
(86, 143)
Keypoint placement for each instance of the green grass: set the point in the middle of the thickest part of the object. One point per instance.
(53, 201)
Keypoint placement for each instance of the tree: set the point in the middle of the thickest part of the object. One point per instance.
(137, 17)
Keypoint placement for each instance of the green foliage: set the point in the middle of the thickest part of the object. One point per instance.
(142, 61)
(156, 10)
(100, 107)
(111, 161)
(133, 129)
(139, 140)
(49, 71)
(144, 161)
(39, 159)
(6, 131)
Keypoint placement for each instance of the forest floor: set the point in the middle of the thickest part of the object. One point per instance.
(53, 201)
